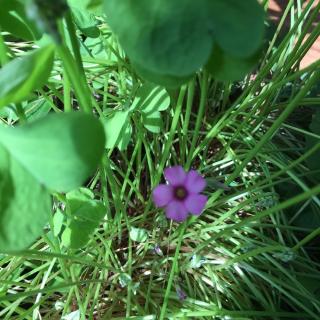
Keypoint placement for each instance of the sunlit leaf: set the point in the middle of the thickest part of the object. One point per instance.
(21, 76)
(150, 98)
(25, 204)
(138, 234)
(61, 150)
(152, 121)
(118, 130)
(86, 22)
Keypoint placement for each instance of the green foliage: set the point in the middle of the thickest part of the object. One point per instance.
(138, 234)
(14, 20)
(107, 251)
(166, 80)
(25, 204)
(155, 33)
(236, 26)
(61, 150)
(45, 15)
(168, 41)
(118, 130)
(84, 217)
(21, 76)
(86, 22)
(314, 161)
(149, 100)
(58, 152)
(226, 67)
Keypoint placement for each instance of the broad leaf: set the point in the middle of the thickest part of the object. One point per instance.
(152, 121)
(86, 22)
(168, 81)
(21, 76)
(228, 68)
(167, 41)
(138, 234)
(25, 205)
(237, 26)
(118, 130)
(61, 150)
(58, 219)
(86, 215)
(166, 37)
(14, 20)
(150, 98)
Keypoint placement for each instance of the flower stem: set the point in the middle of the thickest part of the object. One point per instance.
(203, 100)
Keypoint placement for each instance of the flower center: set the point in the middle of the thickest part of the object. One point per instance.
(180, 193)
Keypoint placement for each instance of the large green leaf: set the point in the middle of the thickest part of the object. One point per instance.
(167, 41)
(86, 215)
(21, 76)
(166, 80)
(164, 36)
(228, 68)
(14, 20)
(61, 150)
(24, 205)
(237, 26)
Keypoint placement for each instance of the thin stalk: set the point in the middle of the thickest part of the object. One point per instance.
(203, 102)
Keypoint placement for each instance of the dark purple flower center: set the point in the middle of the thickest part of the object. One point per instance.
(180, 193)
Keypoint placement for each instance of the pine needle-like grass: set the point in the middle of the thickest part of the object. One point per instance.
(244, 257)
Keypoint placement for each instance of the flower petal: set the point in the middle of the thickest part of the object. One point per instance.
(176, 211)
(175, 175)
(195, 203)
(195, 183)
(162, 195)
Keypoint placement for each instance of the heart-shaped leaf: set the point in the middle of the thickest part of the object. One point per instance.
(25, 205)
(167, 41)
(21, 76)
(152, 121)
(168, 81)
(225, 67)
(61, 150)
(150, 98)
(138, 234)
(86, 22)
(86, 215)
(118, 130)
(237, 26)
(166, 37)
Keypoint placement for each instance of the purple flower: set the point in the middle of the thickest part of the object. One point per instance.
(180, 195)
